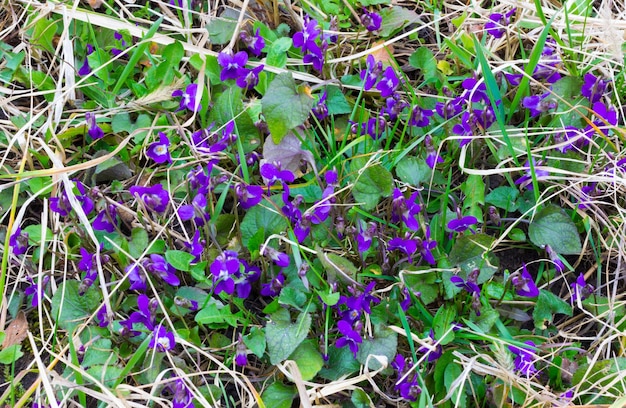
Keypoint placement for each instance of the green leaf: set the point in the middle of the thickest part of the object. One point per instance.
(255, 341)
(366, 3)
(603, 374)
(341, 363)
(277, 54)
(226, 106)
(424, 60)
(384, 343)
(451, 373)
(69, 309)
(106, 374)
(216, 315)
(11, 354)
(503, 197)
(336, 101)
(43, 34)
(336, 266)
(34, 234)
(180, 260)
(308, 359)
(329, 298)
(98, 351)
(474, 190)
(283, 336)
(472, 252)
(138, 242)
(442, 323)
(360, 399)
(262, 217)
(221, 30)
(395, 18)
(278, 395)
(189, 293)
(370, 184)
(553, 227)
(413, 171)
(285, 106)
(292, 297)
(425, 284)
(549, 304)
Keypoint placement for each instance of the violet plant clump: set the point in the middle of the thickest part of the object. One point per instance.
(302, 197)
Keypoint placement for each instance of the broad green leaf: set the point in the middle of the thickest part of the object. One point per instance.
(548, 304)
(285, 106)
(263, 216)
(329, 298)
(98, 352)
(106, 374)
(473, 252)
(215, 315)
(255, 341)
(337, 266)
(503, 197)
(221, 30)
(604, 375)
(424, 60)
(384, 343)
(451, 374)
(180, 260)
(138, 242)
(190, 293)
(226, 106)
(277, 54)
(341, 362)
(278, 395)
(292, 297)
(283, 336)
(34, 234)
(425, 284)
(413, 171)
(553, 227)
(336, 101)
(308, 359)
(69, 309)
(11, 354)
(395, 18)
(370, 185)
(360, 399)
(442, 323)
(474, 190)
(43, 34)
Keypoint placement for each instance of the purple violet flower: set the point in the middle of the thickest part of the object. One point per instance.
(350, 337)
(189, 98)
(524, 284)
(461, 224)
(559, 266)
(19, 242)
(305, 39)
(524, 358)
(88, 264)
(62, 206)
(469, 286)
(241, 354)
(371, 21)
(159, 151)
(196, 210)
(274, 172)
(371, 73)
(365, 235)
(158, 266)
(431, 354)
(280, 259)
(255, 43)
(137, 277)
(248, 78)
(248, 195)
(432, 156)
(407, 385)
(538, 104)
(106, 220)
(162, 340)
(320, 110)
(374, 127)
(526, 180)
(231, 64)
(102, 316)
(274, 287)
(593, 87)
(408, 246)
(427, 246)
(85, 69)
(419, 116)
(93, 130)
(181, 395)
(498, 22)
(155, 198)
(36, 290)
(388, 83)
(580, 289)
(224, 268)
